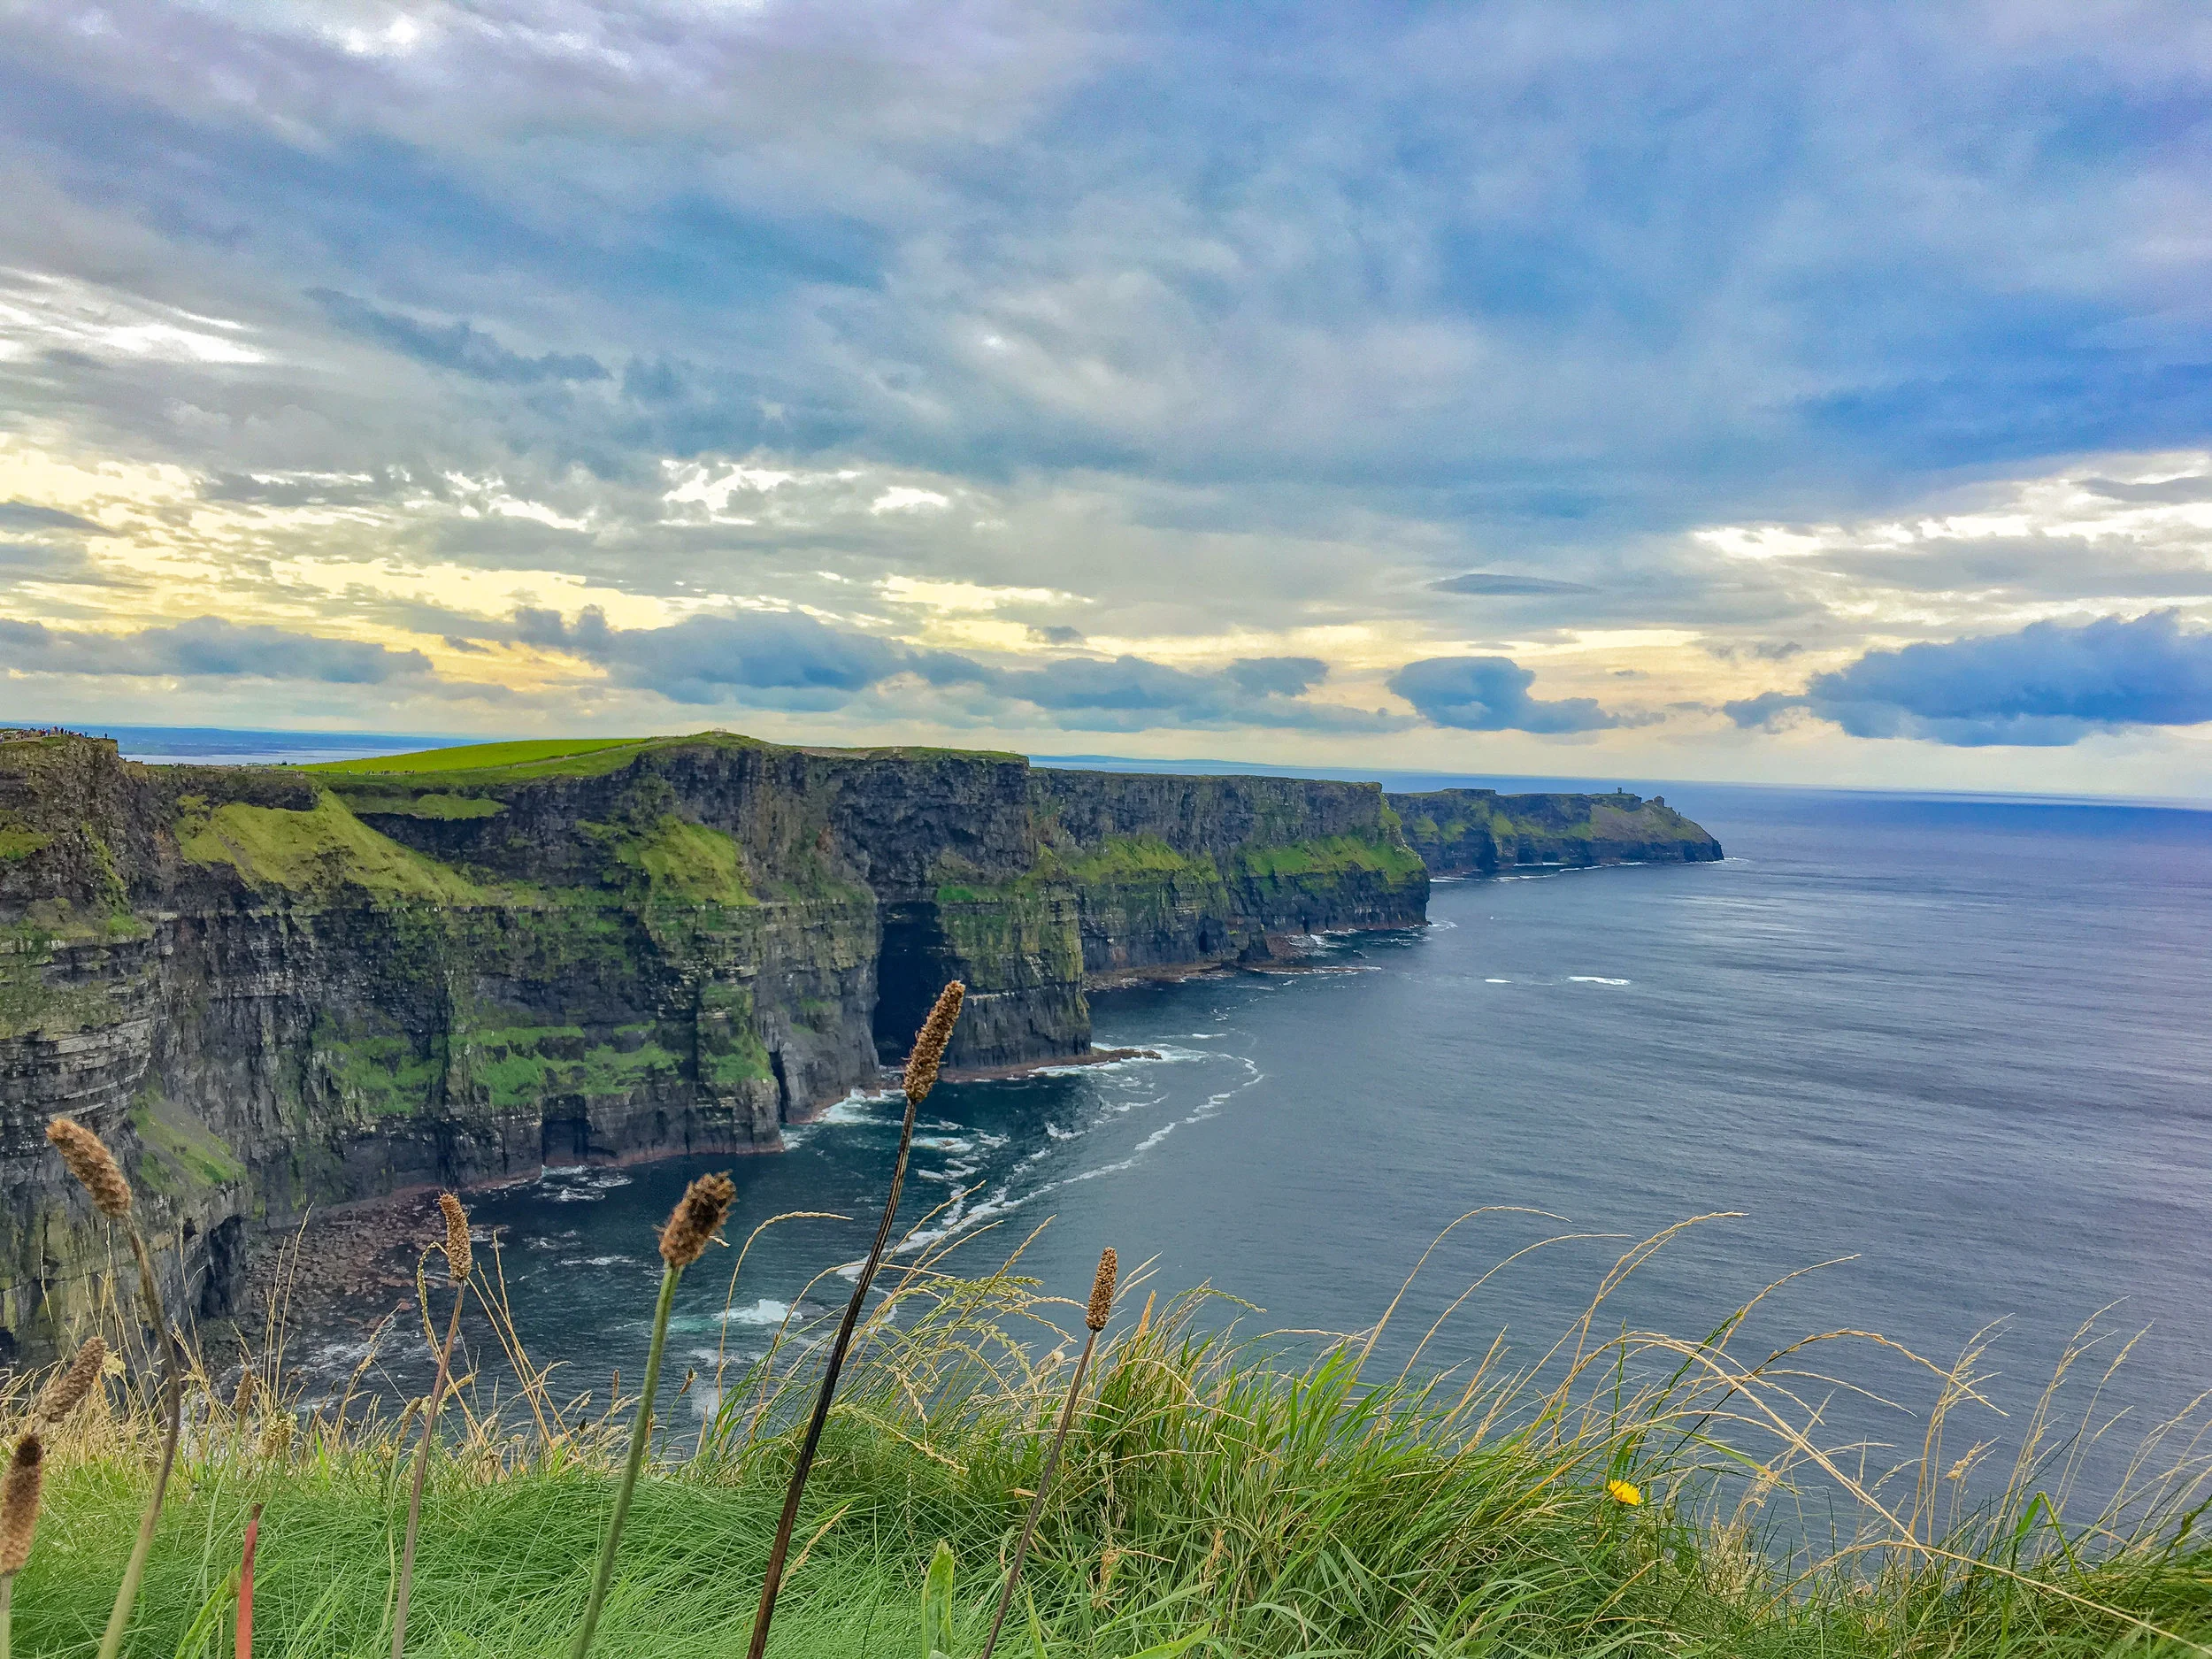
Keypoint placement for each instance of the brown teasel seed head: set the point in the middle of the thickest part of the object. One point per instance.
(1102, 1291)
(19, 1503)
(698, 1218)
(456, 1237)
(68, 1390)
(929, 1041)
(94, 1166)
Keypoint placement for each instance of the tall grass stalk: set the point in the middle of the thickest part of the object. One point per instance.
(242, 1647)
(458, 1258)
(19, 1525)
(921, 1076)
(1094, 1321)
(698, 1218)
(96, 1170)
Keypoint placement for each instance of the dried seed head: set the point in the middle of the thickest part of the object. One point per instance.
(242, 1402)
(19, 1503)
(1102, 1291)
(93, 1165)
(929, 1042)
(698, 1218)
(276, 1439)
(68, 1390)
(456, 1237)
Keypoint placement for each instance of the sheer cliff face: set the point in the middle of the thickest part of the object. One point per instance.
(269, 988)
(1480, 832)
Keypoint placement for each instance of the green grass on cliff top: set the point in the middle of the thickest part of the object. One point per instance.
(585, 756)
(484, 756)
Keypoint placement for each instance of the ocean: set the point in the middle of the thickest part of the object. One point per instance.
(1951, 1054)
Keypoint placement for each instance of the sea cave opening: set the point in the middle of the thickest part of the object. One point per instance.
(913, 964)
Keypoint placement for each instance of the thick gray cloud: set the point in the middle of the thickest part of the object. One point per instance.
(706, 659)
(206, 647)
(459, 346)
(787, 660)
(49, 565)
(1277, 676)
(1129, 694)
(22, 515)
(1490, 693)
(2047, 685)
(1499, 584)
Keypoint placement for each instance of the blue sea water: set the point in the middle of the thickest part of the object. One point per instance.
(1957, 1047)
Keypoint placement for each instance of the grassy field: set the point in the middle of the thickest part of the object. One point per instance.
(1634, 1496)
(481, 756)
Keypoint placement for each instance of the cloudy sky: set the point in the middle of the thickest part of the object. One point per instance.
(1683, 390)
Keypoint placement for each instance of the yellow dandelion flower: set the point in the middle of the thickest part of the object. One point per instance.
(1625, 1492)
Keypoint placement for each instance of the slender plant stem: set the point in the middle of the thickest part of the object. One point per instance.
(1037, 1504)
(641, 1436)
(422, 1470)
(173, 1402)
(242, 1649)
(7, 1612)
(773, 1581)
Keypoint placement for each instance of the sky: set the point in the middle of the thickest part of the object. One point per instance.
(1671, 389)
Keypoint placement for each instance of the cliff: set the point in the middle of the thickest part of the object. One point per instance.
(1480, 832)
(273, 987)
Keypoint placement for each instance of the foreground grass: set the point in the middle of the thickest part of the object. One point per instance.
(1290, 1506)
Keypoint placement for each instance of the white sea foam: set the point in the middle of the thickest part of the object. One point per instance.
(859, 1107)
(1497, 981)
(580, 1183)
(1155, 1137)
(767, 1311)
(1161, 1054)
(1592, 978)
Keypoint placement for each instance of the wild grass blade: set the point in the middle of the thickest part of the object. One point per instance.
(697, 1219)
(921, 1076)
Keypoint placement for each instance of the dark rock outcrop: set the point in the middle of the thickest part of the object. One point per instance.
(1480, 832)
